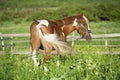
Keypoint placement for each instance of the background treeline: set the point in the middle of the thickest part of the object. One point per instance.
(95, 10)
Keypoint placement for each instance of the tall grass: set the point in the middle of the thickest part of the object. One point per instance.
(82, 66)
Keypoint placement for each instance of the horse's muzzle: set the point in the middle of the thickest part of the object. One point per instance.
(87, 36)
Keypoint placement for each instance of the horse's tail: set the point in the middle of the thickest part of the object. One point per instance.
(61, 47)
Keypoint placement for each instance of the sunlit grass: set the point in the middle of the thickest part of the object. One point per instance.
(84, 65)
(102, 27)
(105, 27)
(12, 27)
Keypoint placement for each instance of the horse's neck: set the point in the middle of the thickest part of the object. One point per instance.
(67, 29)
(70, 19)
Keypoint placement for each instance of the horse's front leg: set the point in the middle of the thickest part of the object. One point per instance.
(62, 36)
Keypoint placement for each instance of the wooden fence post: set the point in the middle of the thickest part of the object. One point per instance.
(2, 42)
(11, 43)
(106, 44)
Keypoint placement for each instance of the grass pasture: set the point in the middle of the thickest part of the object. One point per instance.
(90, 63)
(95, 10)
(85, 65)
(100, 27)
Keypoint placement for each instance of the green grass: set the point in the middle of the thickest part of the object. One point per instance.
(105, 27)
(85, 65)
(13, 27)
(98, 42)
(91, 63)
(101, 27)
(55, 9)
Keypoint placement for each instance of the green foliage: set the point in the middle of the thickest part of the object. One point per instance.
(50, 9)
(22, 26)
(105, 27)
(84, 65)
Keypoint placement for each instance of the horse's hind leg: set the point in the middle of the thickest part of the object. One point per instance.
(35, 44)
(58, 61)
(48, 49)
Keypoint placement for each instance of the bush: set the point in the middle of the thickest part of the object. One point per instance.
(94, 10)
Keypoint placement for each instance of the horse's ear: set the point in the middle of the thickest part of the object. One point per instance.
(81, 15)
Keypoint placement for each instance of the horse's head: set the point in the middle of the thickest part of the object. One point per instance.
(82, 27)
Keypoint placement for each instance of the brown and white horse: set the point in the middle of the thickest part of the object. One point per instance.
(49, 34)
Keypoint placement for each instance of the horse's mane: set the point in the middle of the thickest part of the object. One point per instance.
(65, 21)
(68, 20)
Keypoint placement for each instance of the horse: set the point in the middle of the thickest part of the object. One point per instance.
(49, 34)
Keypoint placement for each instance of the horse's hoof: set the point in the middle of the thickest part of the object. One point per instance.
(58, 63)
(45, 69)
(37, 64)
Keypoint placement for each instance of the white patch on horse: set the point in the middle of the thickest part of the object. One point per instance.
(62, 27)
(47, 37)
(39, 25)
(43, 22)
(34, 57)
(51, 37)
(63, 34)
(39, 31)
(75, 22)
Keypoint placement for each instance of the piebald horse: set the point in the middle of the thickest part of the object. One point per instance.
(49, 34)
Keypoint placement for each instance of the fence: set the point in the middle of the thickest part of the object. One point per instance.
(101, 37)
(8, 41)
